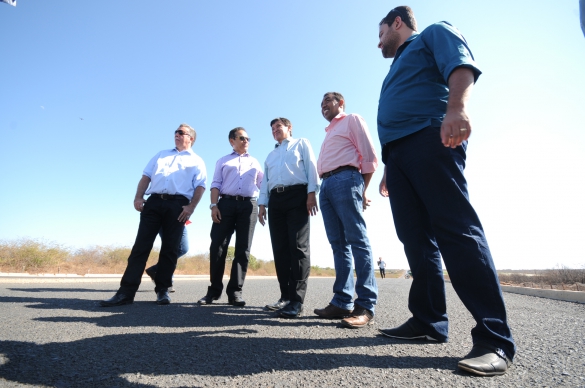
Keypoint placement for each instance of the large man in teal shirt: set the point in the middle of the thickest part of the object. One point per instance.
(423, 127)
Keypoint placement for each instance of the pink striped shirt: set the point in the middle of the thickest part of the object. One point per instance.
(347, 143)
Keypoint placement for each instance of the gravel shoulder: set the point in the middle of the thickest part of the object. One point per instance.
(55, 335)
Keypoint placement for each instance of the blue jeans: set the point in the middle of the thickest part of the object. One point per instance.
(341, 200)
(433, 219)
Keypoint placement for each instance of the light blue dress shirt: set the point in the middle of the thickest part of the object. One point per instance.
(290, 163)
(174, 172)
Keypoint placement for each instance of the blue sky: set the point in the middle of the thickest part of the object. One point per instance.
(134, 70)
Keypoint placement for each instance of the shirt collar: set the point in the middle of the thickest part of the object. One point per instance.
(189, 150)
(244, 154)
(339, 116)
(288, 139)
(404, 45)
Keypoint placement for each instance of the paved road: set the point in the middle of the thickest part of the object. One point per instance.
(55, 335)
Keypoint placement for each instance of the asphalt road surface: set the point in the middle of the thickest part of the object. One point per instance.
(55, 335)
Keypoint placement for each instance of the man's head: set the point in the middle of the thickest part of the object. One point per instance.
(333, 103)
(185, 137)
(395, 29)
(239, 140)
(281, 129)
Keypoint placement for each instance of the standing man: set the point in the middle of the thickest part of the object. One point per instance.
(423, 127)
(346, 164)
(236, 181)
(289, 192)
(175, 181)
(382, 266)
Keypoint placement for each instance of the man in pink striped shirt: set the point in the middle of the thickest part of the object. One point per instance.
(346, 164)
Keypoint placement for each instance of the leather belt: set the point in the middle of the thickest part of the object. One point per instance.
(236, 197)
(282, 189)
(338, 169)
(168, 196)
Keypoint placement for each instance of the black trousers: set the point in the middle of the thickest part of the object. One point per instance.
(157, 214)
(288, 221)
(241, 217)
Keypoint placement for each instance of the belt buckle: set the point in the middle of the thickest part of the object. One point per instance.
(164, 196)
(280, 189)
(239, 198)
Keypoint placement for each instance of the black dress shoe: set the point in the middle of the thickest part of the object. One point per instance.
(117, 300)
(207, 299)
(485, 361)
(236, 301)
(278, 305)
(162, 297)
(292, 310)
(151, 271)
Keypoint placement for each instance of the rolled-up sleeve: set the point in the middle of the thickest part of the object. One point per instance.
(360, 136)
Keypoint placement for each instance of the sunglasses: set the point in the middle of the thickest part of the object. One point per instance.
(182, 133)
(242, 138)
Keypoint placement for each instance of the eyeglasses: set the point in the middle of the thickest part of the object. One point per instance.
(182, 133)
(242, 138)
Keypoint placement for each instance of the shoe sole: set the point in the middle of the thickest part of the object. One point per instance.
(332, 316)
(239, 304)
(478, 372)
(115, 304)
(350, 326)
(419, 338)
(290, 316)
(205, 303)
(163, 302)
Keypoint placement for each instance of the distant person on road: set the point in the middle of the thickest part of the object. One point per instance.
(175, 181)
(289, 190)
(346, 164)
(423, 127)
(382, 266)
(235, 187)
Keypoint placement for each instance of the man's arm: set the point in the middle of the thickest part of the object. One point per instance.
(140, 190)
(367, 178)
(456, 126)
(190, 208)
(383, 189)
(215, 213)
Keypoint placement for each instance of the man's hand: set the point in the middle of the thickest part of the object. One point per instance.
(186, 213)
(139, 204)
(215, 215)
(456, 126)
(383, 189)
(312, 207)
(262, 214)
(366, 201)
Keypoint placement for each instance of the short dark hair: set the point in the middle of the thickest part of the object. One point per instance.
(338, 97)
(285, 122)
(405, 13)
(232, 134)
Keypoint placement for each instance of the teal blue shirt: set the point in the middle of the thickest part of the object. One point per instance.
(415, 92)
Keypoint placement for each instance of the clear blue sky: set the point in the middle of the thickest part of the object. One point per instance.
(134, 70)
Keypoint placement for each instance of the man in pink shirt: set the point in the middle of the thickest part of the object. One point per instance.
(346, 164)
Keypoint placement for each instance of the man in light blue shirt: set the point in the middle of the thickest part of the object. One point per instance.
(289, 192)
(175, 180)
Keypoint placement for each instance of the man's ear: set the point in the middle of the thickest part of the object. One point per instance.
(342, 104)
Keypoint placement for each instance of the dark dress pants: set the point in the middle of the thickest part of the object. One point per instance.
(241, 217)
(433, 219)
(288, 221)
(157, 214)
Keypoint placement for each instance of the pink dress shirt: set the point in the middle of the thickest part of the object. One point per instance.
(347, 143)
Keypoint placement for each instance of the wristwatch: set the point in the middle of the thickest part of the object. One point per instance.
(212, 205)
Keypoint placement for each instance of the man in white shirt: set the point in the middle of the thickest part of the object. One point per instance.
(175, 180)
(289, 192)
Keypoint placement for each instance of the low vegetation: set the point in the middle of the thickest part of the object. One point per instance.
(559, 278)
(35, 256)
